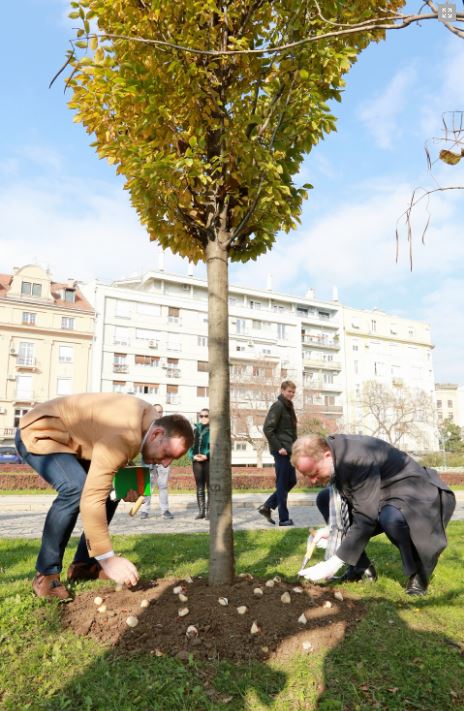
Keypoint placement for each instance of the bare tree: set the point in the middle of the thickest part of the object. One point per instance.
(395, 414)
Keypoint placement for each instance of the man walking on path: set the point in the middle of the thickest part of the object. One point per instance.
(77, 443)
(280, 431)
(158, 475)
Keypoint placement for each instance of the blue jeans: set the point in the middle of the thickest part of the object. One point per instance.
(391, 522)
(66, 473)
(285, 481)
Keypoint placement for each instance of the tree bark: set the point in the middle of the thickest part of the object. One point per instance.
(221, 558)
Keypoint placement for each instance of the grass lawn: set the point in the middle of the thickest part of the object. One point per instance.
(404, 655)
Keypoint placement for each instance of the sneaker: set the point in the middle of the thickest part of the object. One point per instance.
(86, 571)
(288, 522)
(143, 515)
(266, 512)
(51, 587)
(167, 514)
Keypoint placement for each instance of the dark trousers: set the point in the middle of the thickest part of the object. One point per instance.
(65, 473)
(391, 522)
(201, 473)
(285, 481)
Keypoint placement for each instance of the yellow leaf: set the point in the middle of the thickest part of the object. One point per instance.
(449, 157)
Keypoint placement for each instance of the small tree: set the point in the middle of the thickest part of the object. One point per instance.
(209, 143)
(450, 435)
(394, 414)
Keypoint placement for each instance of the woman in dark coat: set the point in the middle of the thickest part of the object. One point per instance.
(199, 454)
(386, 491)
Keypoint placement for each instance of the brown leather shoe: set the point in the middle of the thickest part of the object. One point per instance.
(86, 571)
(49, 586)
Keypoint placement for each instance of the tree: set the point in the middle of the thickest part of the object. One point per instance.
(451, 437)
(395, 414)
(209, 144)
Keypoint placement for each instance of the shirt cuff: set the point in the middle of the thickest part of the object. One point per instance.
(104, 556)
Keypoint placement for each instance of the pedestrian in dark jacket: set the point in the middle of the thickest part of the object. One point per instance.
(280, 431)
(384, 490)
(199, 454)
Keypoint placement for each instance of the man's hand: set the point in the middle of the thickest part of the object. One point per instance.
(283, 452)
(120, 570)
(322, 571)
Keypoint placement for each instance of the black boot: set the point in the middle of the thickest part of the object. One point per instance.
(200, 502)
(207, 506)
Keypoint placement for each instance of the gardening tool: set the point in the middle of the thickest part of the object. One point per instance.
(310, 546)
(132, 478)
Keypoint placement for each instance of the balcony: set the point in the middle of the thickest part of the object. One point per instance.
(173, 372)
(7, 432)
(321, 342)
(26, 362)
(120, 368)
(322, 364)
(172, 399)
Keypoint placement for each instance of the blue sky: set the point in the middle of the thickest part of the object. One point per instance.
(65, 209)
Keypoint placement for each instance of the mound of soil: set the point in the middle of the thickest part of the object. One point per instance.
(220, 631)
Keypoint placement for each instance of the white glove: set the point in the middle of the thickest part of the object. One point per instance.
(321, 537)
(322, 571)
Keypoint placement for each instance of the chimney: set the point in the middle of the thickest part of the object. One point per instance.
(269, 282)
(310, 294)
(335, 293)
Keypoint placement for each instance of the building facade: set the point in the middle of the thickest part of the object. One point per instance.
(450, 403)
(389, 379)
(46, 333)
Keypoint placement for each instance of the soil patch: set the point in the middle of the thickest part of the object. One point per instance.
(269, 628)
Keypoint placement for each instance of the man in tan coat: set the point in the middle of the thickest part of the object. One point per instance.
(76, 443)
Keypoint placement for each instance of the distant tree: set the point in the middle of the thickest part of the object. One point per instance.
(312, 423)
(210, 126)
(394, 414)
(451, 436)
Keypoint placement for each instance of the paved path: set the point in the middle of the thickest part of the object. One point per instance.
(23, 516)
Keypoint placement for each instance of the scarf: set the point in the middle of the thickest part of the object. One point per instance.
(339, 521)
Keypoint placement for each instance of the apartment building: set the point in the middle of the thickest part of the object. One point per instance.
(450, 403)
(151, 339)
(46, 332)
(389, 376)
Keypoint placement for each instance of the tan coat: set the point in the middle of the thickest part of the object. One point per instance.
(105, 428)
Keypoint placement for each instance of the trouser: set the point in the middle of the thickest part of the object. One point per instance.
(201, 474)
(158, 475)
(66, 473)
(285, 481)
(391, 522)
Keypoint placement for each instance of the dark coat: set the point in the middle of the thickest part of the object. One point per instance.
(371, 473)
(280, 425)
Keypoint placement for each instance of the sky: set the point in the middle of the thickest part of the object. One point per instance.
(63, 208)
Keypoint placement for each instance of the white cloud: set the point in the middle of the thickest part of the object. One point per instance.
(444, 310)
(381, 114)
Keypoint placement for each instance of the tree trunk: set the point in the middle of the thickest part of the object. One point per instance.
(221, 552)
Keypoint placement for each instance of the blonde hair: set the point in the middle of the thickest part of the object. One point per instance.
(312, 445)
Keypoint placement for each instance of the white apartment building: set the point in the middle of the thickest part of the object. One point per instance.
(151, 339)
(389, 358)
(450, 403)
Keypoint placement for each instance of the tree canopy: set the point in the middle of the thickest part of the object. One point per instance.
(211, 146)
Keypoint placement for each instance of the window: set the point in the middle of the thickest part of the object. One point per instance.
(173, 370)
(281, 331)
(202, 391)
(356, 366)
(30, 289)
(438, 403)
(202, 366)
(119, 386)
(67, 323)
(146, 388)
(149, 309)
(240, 446)
(147, 360)
(202, 341)
(145, 334)
(355, 348)
(29, 318)
(65, 354)
(121, 336)
(64, 386)
(257, 325)
(70, 295)
(255, 304)
(173, 314)
(373, 326)
(172, 394)
(173, 343)
(240, 325)
(24, 387)
(25, 354)
(450, 404)
(18, 413)
(120, 363)
(123, 309)
(328, 378)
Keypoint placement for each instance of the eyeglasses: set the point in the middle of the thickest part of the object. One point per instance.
(204, 417)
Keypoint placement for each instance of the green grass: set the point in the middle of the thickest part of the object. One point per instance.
(403, 655)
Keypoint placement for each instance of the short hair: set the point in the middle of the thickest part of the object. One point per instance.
(312, 445)
(288, 384)
(176, 426)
